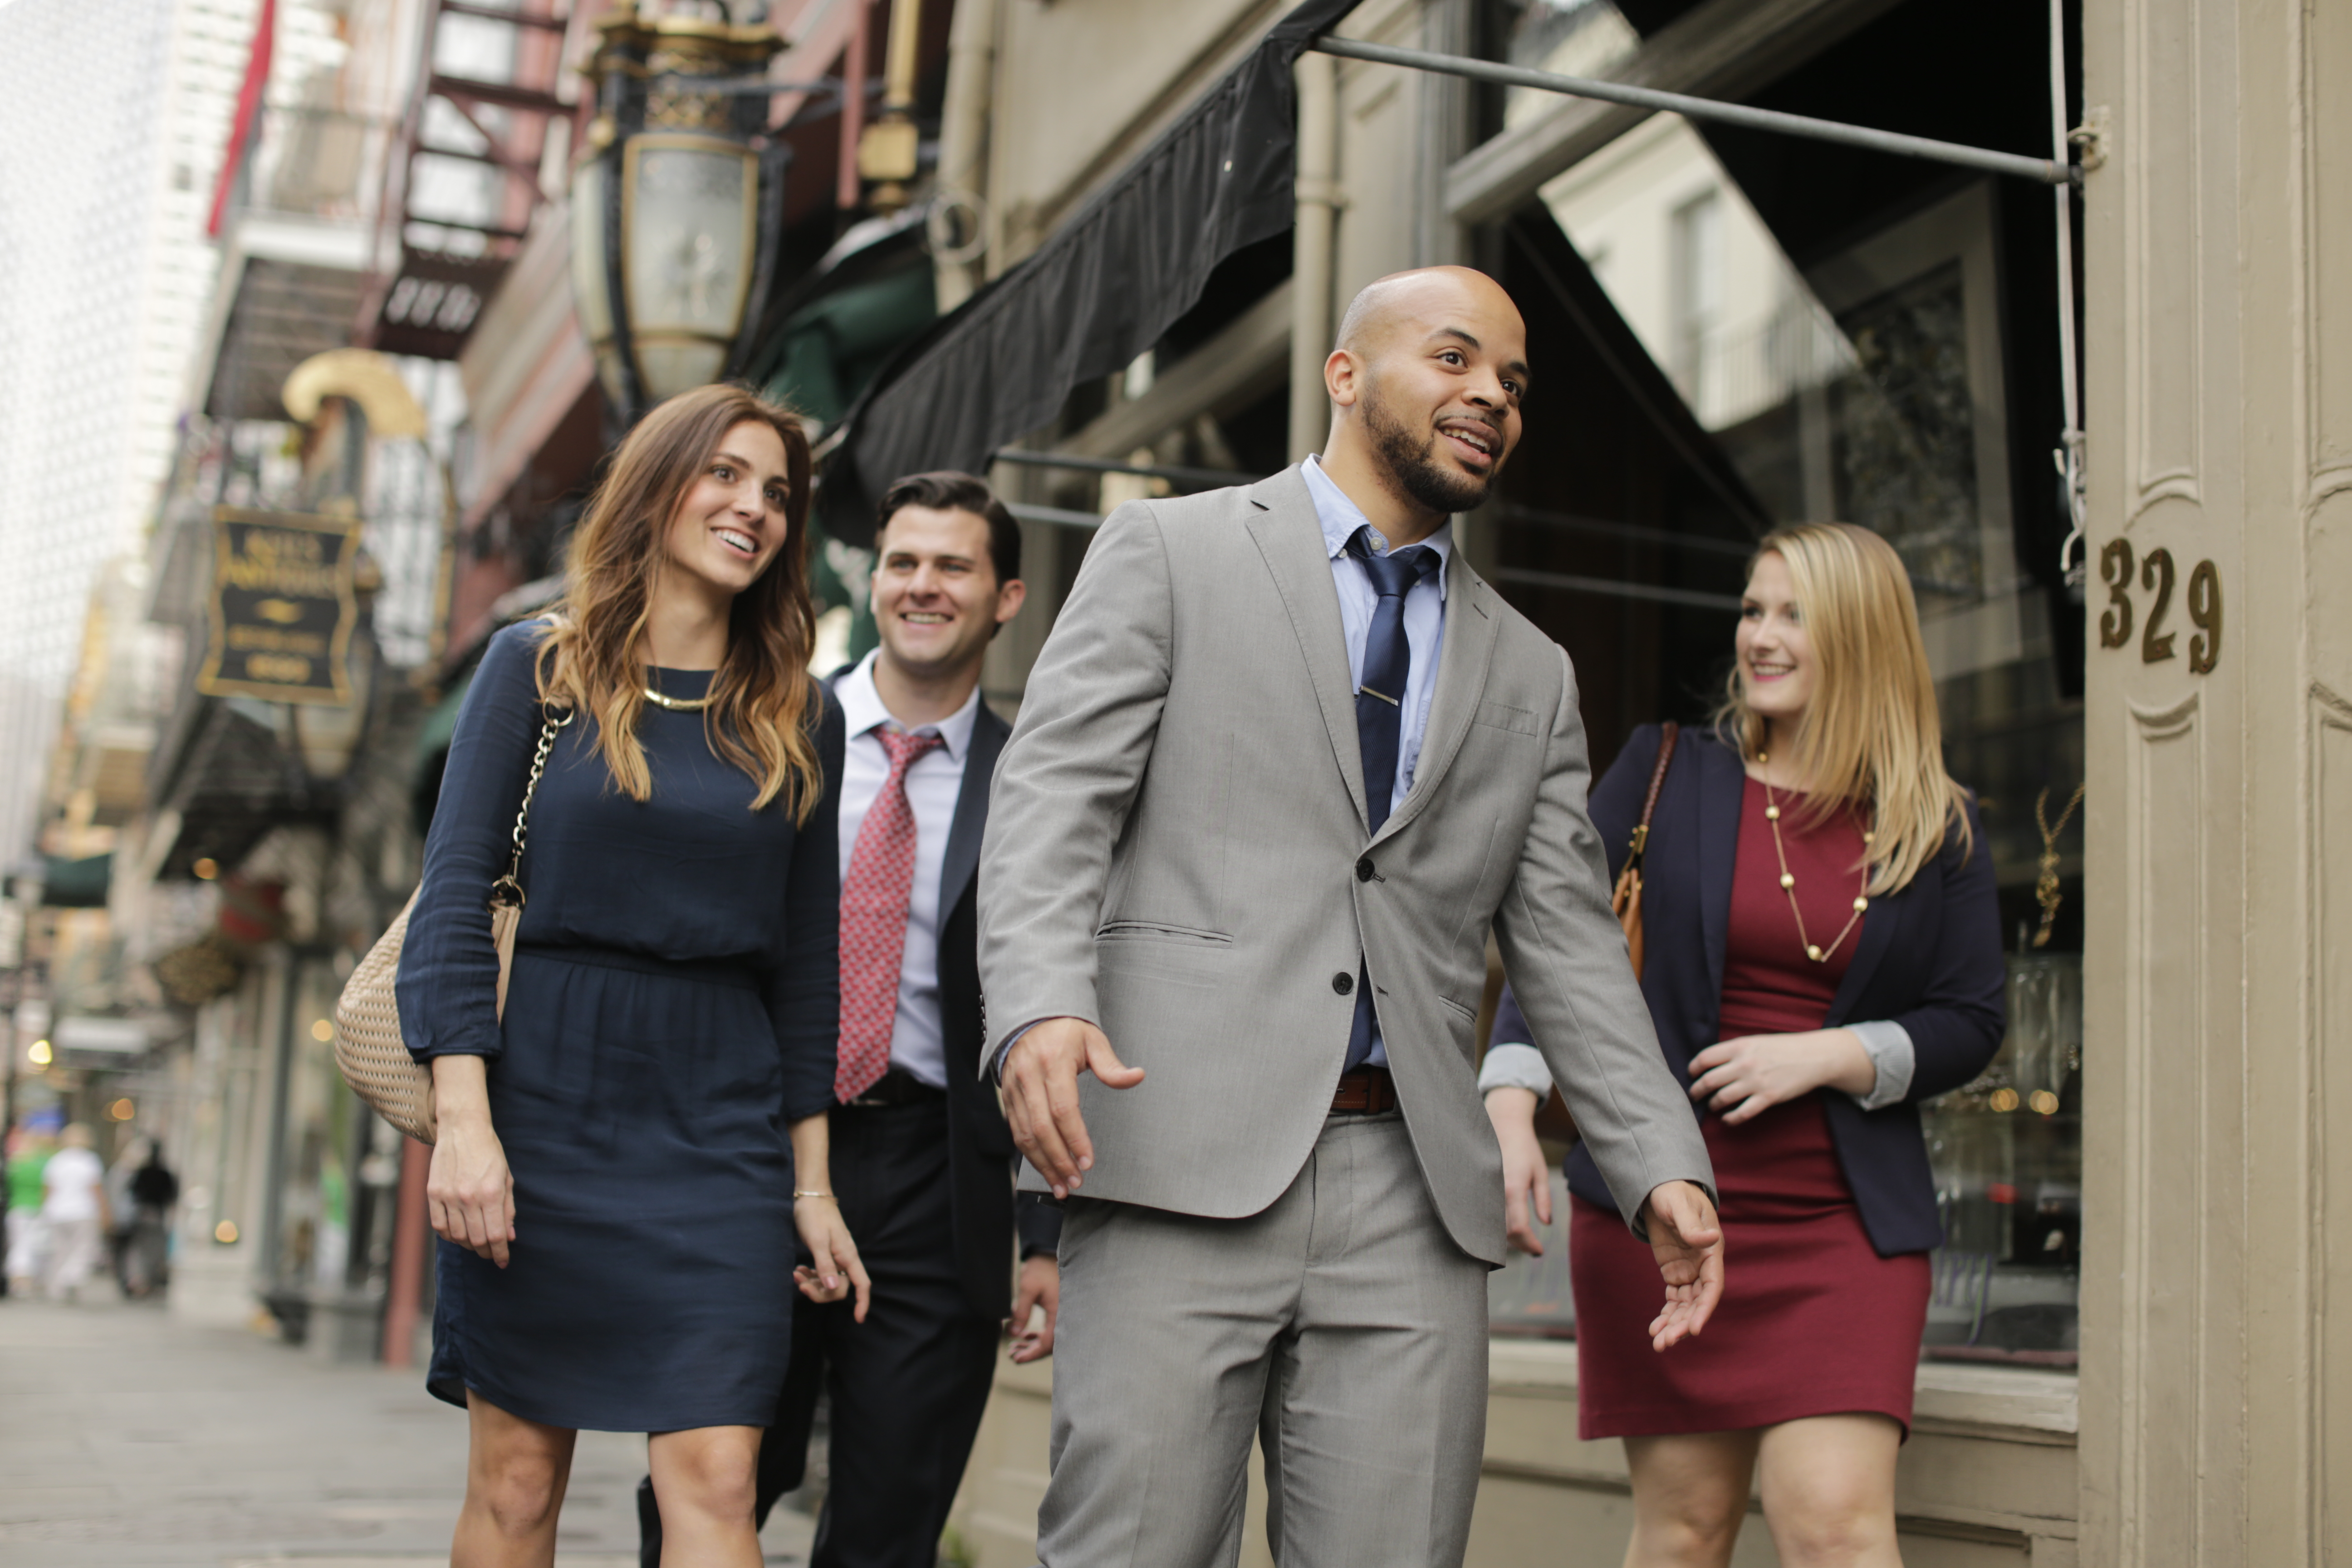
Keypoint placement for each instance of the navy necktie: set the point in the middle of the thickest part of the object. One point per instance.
(1380, 713)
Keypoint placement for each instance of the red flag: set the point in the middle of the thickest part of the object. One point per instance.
(248, 108)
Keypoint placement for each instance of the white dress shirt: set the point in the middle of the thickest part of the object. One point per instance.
(1424, 629)
(933, 783)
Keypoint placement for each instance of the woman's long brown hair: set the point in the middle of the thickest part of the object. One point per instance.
(594, 652)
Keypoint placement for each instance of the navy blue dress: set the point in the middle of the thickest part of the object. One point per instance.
(674, 1004)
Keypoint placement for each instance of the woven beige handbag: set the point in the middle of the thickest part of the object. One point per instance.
(368, 1048)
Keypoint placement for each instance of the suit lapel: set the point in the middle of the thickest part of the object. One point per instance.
(1465, 651)
(1290, 537)
(971, 819)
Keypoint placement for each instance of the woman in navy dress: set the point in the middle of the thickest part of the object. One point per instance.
(1823, 954)
(624, 1163)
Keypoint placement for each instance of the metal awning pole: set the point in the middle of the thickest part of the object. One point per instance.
(2070, 441)
(2043, 171)
(1177, 472)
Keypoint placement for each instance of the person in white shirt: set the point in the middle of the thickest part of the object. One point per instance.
(922, 1157)
(73, 1212)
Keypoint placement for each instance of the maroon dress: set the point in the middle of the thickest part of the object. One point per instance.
(1813, 1321)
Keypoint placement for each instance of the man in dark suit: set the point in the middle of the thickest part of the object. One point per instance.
(922, 1162)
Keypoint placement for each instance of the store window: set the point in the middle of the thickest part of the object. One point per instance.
(1755, 330)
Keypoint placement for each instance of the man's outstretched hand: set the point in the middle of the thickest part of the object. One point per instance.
(1687, 1241)
(1041, 1096)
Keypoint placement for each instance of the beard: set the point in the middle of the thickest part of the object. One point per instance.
(1413, 462)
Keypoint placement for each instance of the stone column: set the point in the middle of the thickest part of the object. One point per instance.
(2217, 1360)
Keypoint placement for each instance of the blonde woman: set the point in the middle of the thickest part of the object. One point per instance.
(614, 1185)
(1823, 953)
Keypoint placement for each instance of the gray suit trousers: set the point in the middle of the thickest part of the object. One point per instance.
(1343, 1324)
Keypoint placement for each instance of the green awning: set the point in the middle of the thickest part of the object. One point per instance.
(441, 724)
(76, 884)
(432, 754)
(834, 346)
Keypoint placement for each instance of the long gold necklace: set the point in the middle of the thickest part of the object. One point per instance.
(1789, 883)
(677, 704)
(2045, 886)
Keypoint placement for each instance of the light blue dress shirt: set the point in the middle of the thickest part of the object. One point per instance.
(1424, 629)
(1424, 611)
(1515, 1064)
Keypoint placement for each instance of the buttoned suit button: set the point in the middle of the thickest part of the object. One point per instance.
(1364, 872)
(1343, 983)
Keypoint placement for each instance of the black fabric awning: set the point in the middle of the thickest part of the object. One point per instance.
(1104, 287)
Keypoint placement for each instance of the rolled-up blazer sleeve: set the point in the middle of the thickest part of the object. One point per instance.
(1956, 1024)
(448, 988)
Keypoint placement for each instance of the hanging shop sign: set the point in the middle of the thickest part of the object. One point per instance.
(283, 606)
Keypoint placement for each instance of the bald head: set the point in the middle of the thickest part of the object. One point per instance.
(1424, 294)
(1425, 386)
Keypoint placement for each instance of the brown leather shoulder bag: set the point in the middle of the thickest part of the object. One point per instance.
(1626, 901)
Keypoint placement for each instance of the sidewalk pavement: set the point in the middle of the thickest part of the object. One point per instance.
(128, 1440)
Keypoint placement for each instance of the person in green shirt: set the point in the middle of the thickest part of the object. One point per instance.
(28, 1156)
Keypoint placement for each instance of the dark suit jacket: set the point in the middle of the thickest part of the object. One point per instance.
(981, 1160)
(1929, 958)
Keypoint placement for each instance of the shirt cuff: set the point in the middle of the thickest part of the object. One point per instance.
(1890, 1051)
(1037, 1220)
(996, 1062)
(1513, 1066)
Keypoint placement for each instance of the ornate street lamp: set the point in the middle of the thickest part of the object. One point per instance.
(676, 209)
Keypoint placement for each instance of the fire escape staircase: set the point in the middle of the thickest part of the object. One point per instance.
(434, 271)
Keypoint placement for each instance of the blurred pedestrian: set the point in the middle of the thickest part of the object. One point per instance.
(1822, 953)
(1281, 762)
(153, 1190)
(120, 1211)
(29, 1149)
(73, 1215)
(922, 1157)
(611, 1183)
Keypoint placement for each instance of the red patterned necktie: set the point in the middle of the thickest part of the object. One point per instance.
(873, 920)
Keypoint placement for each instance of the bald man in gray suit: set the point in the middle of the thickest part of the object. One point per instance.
(1283, 762)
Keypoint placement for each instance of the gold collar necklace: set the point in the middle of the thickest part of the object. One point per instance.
(1789, 883)
(677, 704)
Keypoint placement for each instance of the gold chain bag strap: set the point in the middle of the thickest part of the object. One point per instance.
(1625, 903)
(368, 1048)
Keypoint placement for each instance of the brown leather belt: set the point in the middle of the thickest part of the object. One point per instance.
(1367, 1091)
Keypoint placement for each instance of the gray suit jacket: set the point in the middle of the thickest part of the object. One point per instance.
(1177, 852)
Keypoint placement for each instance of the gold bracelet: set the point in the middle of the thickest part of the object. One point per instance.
(798, 1193)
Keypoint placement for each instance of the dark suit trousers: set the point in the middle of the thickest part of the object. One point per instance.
(910, 1384)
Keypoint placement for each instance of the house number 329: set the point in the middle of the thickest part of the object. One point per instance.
(2155, 575)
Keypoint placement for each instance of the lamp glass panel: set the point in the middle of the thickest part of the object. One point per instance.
(672, 365)
(589, 290)
(689, 242)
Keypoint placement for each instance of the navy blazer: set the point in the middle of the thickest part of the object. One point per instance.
(981, 1160)
(1929, 958)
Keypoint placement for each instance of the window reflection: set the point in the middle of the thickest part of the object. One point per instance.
(1868, 383)
(1570, 38)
